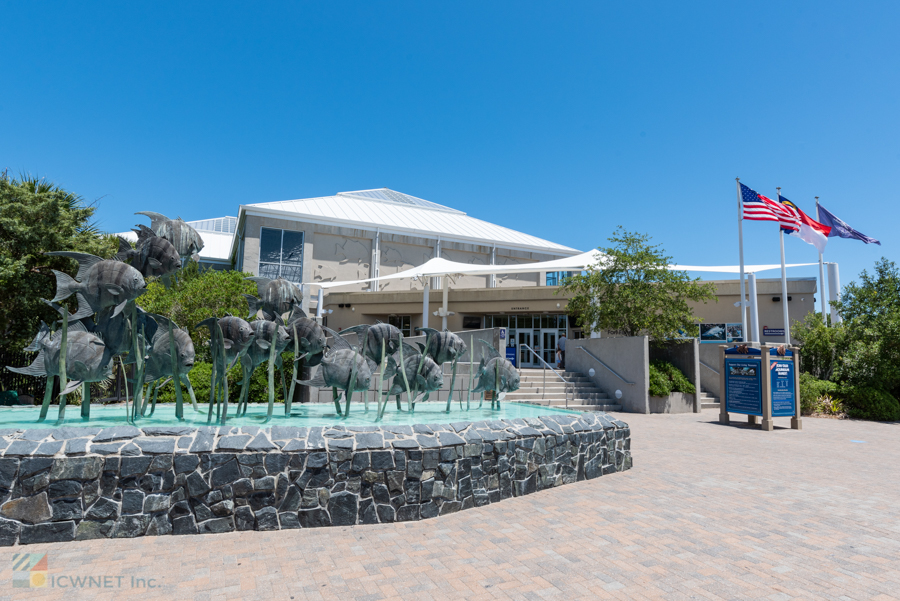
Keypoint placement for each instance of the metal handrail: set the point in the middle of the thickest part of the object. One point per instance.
(715, 371)
(594, 357)
(545, 368)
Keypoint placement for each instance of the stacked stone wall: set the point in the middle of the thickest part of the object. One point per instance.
(81, 483)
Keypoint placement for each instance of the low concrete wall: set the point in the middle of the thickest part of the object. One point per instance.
(685, 355)
(60, 484)
(677, 402)
(628, 357)
(709, 368)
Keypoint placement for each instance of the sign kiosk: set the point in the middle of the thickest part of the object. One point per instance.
(760, 382)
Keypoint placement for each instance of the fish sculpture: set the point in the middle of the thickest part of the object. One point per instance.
(496, 374)
(183, 237)
(230, 338)
(310, 335)
(266, 333)
(444, 347)
(422, 374)
(342, 368)
(152, 256)
(115, 330)
(371, 336)
(276, 297)
(101, 283)
(159, 363)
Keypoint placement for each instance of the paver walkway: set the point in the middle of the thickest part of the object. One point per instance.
(708, 512)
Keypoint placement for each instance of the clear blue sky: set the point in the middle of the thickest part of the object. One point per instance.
(560, 119)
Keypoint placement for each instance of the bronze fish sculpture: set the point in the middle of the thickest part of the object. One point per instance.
(276, 297)
(87, 358)
(443, 347)
(183, 237)
(342, 368)
(371, 336)
(310, 334)
(152, 256)
(496, 374)
(422, 373)
(102, 283)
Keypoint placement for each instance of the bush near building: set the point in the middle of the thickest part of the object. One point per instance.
(665, 379)
(856, 362)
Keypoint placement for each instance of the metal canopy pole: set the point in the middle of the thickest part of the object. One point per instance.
(754, 310)
(425, 302)
(445, 288)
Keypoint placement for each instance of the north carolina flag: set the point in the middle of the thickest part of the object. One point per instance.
(811, 231)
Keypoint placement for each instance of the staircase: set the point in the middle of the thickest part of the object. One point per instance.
(707, 400)
(583, 394)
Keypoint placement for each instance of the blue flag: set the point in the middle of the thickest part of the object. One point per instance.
(841, 228)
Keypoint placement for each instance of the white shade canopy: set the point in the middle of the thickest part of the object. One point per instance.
(439, 267)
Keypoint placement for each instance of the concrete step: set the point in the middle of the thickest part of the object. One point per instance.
(560, 388)
(538, 396)
(710, 405)
(561, 404)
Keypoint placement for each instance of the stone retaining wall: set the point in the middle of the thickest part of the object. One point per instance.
(80, 483)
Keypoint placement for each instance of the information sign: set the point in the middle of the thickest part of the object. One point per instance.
(773, 331)
(743, 389)
(783, 393)
(511, 354)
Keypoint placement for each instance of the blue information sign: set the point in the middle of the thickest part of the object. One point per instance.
(511, 354)
(743, 390)
(783, 394)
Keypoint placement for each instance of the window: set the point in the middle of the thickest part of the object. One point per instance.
(281, 254)
(471, 322)
(555, 278)
(402, 322)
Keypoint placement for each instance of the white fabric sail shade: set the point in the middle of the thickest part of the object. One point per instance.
(438, 267)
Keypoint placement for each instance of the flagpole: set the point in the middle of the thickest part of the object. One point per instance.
(740, 206)
(784, 294)
(821, 274)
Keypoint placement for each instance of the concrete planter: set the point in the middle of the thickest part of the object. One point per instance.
(677, 402)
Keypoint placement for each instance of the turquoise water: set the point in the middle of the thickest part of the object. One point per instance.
(310, 414)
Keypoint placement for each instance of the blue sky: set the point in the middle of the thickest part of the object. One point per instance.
(562, 120)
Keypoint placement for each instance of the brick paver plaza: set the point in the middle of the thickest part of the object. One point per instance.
(708, 512)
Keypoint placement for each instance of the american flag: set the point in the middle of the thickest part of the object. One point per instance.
(759, 208)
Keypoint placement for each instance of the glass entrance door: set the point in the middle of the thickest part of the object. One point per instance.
(526, 359)
(549, 346)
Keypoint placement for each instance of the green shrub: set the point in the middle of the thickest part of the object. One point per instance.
(665, 379)
(811, 390)
(200, 380)
(867, 402)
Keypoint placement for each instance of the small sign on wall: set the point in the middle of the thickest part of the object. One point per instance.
(767, 331)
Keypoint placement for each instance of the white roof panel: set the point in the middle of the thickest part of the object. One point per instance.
(397, 212)
(216, 246)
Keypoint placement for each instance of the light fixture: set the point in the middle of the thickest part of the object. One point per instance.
(618, 394)
(591, 372)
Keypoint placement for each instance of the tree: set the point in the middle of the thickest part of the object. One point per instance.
(37, 216)
(196, 295)
(631, 291)
(870, 353)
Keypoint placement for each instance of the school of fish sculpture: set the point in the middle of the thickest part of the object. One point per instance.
(230, 338)
(343, 368)
(496, 374)
(152, 255)
(276, 297)
(100, 282)
(183, 237)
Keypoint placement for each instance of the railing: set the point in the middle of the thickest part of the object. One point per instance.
(546, 366)
(715, 371)
(611, 370)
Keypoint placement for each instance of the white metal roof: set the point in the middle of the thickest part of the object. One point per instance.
(216, 245)
(225, 225)
(395, 212)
